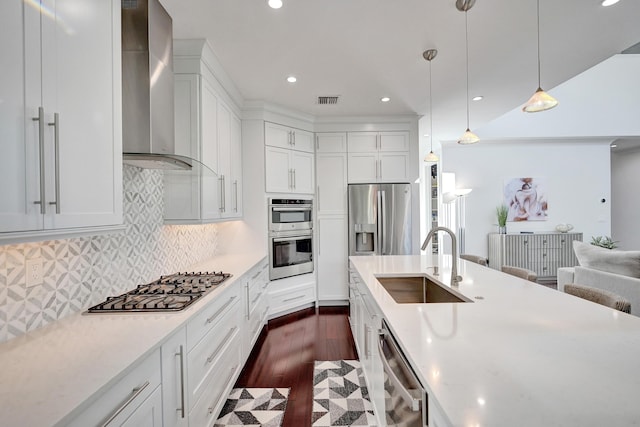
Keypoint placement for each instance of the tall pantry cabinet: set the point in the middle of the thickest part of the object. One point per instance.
(60, 117)
(331, 208)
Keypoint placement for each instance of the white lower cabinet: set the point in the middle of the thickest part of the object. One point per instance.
(291, 293)
(135, 400)
(256, 305)
(214, 345)
(174, 392)
(366, 321)
(333, 283)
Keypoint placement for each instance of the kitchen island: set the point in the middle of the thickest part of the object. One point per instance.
(519, 354)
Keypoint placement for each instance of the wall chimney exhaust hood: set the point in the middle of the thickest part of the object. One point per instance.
(148, 135)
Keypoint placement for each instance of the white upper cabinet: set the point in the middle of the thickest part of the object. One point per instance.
(331, 178)
(331, 142)
(194, 197)
(378, 156)
(289, 160)
(60, 117)
(208, 130)
(286, 137)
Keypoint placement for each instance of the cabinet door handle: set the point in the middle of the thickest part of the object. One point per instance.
(56, 146)
(318, 198)
(221, 181)
(40, 120)
(180, 355)
(293, 137)
(294, 178)
(380, 169)
(235, 186)
(134, 393)
(246, 289)
(224, 194)
(376, 169)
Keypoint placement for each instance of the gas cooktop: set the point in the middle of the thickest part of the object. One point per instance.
(169, 293)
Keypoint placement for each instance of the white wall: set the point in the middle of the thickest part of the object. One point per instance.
(625, 198)
(577, 178)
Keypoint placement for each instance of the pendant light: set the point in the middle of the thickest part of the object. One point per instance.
(429, 55)
(464, 5)
(541, 100)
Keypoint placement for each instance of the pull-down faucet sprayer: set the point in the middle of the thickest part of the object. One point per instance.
(455, 279)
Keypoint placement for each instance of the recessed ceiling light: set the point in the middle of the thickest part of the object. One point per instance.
(477, 98)
(613, 145)
(609, 2)
(275, 4)
(385, 99)
(292, 79)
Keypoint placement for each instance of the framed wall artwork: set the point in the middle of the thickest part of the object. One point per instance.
(526, 199)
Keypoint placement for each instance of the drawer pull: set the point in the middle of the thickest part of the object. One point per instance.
(212, 407)
(213, 355)
(220, 310)
(256, 298)
(293, 298)
(134, 393)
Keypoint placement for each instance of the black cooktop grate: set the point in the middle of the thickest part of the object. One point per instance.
(169, 293)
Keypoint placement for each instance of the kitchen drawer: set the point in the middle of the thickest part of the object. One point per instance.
(292, 297)
(202, 323)
(217, 385)
(123, 399)
(203, 358)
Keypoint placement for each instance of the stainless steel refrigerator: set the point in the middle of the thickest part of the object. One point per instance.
(379, 219)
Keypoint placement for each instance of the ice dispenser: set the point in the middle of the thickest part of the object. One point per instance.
(365, 237)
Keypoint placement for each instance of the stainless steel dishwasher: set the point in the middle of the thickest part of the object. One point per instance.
(405, 398)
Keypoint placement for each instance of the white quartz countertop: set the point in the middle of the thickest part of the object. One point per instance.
(520, 355)
(47, 374)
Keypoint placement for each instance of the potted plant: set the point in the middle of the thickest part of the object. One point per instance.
(501, 212)
(604, 242)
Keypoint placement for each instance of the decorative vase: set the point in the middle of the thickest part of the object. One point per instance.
(502, 229)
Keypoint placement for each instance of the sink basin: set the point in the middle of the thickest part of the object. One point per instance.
(418, 290)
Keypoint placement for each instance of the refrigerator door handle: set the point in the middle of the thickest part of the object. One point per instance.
(383, 218)
(378, 249)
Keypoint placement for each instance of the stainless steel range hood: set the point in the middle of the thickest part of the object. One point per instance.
(148, 135)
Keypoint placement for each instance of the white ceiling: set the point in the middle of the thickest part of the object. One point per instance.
(362, 50)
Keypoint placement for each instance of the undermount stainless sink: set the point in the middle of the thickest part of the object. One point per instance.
(418, 290)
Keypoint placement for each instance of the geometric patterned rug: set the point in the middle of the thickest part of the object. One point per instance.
(340, 395)
(254, 407)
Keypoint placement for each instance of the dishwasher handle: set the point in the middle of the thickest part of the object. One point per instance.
(409, 396)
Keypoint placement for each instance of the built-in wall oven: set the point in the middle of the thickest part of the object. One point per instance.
(290, 237)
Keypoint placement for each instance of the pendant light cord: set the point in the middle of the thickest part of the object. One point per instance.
(466, 36)
(430, 111)
(538, 23)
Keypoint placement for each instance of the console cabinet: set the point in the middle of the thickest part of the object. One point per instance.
(542, 253)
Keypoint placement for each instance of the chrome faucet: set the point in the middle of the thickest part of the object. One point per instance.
(455, 279)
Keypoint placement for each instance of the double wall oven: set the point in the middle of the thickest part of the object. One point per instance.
(290, 237)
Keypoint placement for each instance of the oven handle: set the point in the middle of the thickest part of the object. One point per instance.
(287, 239)
(408, 396)
(288, 209)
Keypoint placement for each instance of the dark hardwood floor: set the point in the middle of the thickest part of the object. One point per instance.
(285, 352)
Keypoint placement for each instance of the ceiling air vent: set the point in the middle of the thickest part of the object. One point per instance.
(327, 100)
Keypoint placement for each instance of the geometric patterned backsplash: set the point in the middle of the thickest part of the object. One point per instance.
(81, 272)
